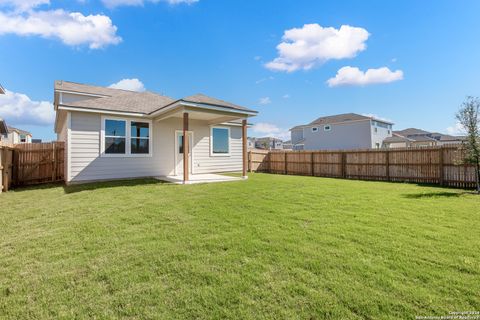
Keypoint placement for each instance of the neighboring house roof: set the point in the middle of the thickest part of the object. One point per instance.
(422, 138)
(19, 131)
(419, 135)
(268, 139)
(3, 127)
(130, 101)
(411, 132)
(446, 137)
(396, 138)
(2, 90)
(339, 118)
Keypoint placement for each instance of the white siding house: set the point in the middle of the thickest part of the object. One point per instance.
(344, 131)
(115, 134)
(15, 136)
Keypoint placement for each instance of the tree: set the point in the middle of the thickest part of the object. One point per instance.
(468, 116)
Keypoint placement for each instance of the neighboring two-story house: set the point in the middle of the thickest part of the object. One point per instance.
(340, 132)
(269, 143)
(251, 143)
(15, 136)
(413, 137)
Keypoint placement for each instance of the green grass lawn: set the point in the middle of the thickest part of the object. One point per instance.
(275, 247)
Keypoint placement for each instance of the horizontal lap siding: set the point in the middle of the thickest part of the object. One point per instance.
(87, 164)
(205, 163)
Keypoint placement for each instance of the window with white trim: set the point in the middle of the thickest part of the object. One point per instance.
(115, 136)
(220, 141)
(314, 129)
(123, 137)
(139, 137)
(327, 127)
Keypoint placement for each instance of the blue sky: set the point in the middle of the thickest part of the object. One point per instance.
(225, 49)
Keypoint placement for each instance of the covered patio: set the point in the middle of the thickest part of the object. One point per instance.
(213, 113)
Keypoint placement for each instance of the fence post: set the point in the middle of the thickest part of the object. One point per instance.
(440, 166)
(269, 162)
(285, 160)
(6, 169)
(54, 167)
(1, 169)
(387, 164)
(312, 164)
(344, 164)
(250, 161)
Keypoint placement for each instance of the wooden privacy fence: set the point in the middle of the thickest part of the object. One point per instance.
(6, 159)
(437, 165)
(32, 163)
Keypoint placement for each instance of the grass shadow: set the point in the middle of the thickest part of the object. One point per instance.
(74, 188)
(439, 194)
(22, 188)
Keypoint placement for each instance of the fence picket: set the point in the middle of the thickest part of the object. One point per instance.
(437, 165)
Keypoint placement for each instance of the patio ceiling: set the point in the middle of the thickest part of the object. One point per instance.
(213, 116)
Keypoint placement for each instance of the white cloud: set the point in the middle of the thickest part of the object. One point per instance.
(129, 84)
(264, 79)
(72, 28)
(117, 3)
(264, 129)
(264, 101)
(23, 5)
(311, 45)
(394, 60)
(18, 108)
(286, 96)
(257, 58)
(456, 130)
(354, 76)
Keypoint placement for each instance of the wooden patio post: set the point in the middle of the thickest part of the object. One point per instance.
(244, 149)
(185, 141)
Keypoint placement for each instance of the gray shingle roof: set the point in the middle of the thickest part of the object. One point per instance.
(131, 101)
(396, 138)
(421, 138)
(20, 131)
(411, 132)
(86, 88)
(339, 118)
(446, 137)
(135, 102)
(201, 98)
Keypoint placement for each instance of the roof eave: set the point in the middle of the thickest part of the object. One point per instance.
(185, 103)
(98, 110)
